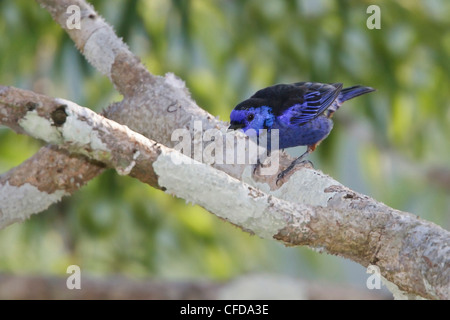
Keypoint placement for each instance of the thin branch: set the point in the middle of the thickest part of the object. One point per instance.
(42, 180)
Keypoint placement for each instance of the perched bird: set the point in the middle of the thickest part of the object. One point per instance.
(301, 112)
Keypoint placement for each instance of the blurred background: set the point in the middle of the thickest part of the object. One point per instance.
(392, 145)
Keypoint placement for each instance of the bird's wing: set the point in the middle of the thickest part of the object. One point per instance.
(311, 101)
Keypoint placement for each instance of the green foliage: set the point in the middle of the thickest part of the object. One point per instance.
(383, 144)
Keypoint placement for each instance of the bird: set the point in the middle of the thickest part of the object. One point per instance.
(301, 111)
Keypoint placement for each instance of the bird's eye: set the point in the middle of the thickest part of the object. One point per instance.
(250, 117)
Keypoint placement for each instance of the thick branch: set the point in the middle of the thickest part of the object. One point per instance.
(80, 131)
(41, 181)
(163, 102)
(410, 252)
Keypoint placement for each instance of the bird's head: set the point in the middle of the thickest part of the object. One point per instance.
(251, 114)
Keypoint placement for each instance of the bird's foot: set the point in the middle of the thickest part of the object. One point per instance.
(285, 172)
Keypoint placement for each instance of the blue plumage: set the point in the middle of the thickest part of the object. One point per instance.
(301, 112)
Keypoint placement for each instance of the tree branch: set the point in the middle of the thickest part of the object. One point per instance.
(409, 252)
(310, 208)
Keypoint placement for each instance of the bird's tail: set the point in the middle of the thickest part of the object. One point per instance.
(347, 94)
(352, 92)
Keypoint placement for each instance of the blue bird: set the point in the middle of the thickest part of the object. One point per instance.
(301, 112)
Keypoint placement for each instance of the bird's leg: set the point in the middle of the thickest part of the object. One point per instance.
(260, 164)
(294, 163)
(256, 166)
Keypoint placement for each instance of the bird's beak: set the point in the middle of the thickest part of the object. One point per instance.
(235, 126)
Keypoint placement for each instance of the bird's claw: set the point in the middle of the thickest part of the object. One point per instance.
(285, 172)
(280, 177)
(307, 163)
